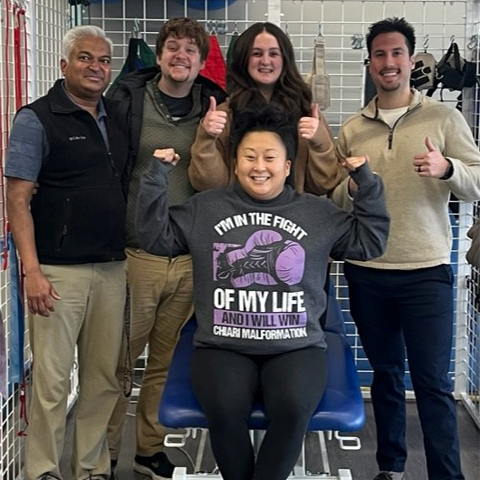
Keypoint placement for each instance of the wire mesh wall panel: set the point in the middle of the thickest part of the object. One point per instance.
(123, 19)
(469, 350)
(468, 346)
(29, 58)
(343, 25)
(13, 92)
(437, 23)
(51, 20)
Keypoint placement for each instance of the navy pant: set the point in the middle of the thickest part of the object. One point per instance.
(226, 384)
(409, 313)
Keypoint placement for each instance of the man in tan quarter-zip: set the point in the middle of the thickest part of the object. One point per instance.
(402, 302)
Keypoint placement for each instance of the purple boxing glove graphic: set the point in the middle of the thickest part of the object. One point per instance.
(266, 259)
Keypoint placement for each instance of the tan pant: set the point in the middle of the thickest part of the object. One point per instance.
(161, 292)
(88, 316)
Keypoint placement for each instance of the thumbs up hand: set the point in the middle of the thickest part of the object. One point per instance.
(307, 126)
(214, 121)
(429, 145)
(431, 163)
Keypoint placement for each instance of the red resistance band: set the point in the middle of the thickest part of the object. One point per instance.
(19, 12)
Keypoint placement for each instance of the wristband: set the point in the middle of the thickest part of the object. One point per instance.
(448, 172)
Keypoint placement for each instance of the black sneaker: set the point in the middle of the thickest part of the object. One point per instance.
(383, 476)
(113, 469)
(390, 476)
(158, 466)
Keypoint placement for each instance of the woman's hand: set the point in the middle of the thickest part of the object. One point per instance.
(215, 120)
(307, 126)
(167, 155)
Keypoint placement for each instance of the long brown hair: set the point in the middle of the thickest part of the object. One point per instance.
(290, 92)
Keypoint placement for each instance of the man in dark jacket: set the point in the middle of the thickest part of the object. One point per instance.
(164, 106)
(66, 205)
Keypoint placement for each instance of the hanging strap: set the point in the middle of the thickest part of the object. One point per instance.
(17, 314)
(16, 368)
(6, 122)
(318, 66)
(318, 80)
(23, 407)
(3, 360)
(20, 12)
(3, 247)
(452, 57)
(17, 331)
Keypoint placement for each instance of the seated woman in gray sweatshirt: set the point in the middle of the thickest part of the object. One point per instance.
(260, 253)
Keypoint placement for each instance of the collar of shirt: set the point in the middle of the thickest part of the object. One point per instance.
(101, 111)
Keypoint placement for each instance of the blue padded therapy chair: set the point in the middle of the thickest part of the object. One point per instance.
(340, 410)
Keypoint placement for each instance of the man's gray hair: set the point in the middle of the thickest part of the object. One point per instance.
(73, 35)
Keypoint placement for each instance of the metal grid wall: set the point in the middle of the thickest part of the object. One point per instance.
(471, 345)
(338, 21)
(343, 23)
(52, 18)
(468, 331)
(437, 23)
(45, 23)
(10, 422)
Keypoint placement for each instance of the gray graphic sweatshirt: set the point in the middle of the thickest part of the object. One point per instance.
(260, 266)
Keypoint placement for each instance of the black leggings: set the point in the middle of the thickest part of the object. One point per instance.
(226, 384)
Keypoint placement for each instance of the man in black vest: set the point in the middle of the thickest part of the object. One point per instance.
(66, 205)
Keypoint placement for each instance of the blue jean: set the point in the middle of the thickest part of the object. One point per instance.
(409, 312)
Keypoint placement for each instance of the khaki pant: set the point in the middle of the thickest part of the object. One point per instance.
(88, 316)
(161, 292)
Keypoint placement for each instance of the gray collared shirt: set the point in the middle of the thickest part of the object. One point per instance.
(28, 146)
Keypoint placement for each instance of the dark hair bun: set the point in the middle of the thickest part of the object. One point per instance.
(265, 118)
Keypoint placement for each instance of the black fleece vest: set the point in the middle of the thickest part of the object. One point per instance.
(79, 208)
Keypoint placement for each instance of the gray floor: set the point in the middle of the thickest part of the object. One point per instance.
(362, 462)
